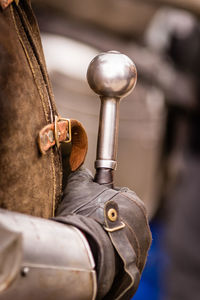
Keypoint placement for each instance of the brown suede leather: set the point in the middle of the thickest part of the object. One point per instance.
(29, 182)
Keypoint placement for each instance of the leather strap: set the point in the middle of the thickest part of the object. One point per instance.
(65, 130)
(5, 3)
(117, 233)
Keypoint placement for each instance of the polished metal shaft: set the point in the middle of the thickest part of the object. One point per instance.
(108, 133)
(112, 76)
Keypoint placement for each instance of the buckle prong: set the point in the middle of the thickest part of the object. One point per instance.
(57, 133)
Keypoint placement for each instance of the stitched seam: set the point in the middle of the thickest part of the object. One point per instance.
(125, 268)
(137, 242)
(60, 181)
(78, 209)
(34, 44)
(54, 183)
(122, 258)
(39, 45)
(139, 206)
(30, 63)
(93, 199)
(43, 104)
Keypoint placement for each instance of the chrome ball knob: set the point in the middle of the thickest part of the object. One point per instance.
(112, 74)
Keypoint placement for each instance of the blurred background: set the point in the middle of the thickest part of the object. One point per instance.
(159, 135)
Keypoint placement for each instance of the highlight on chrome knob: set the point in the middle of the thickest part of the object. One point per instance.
(112, 74)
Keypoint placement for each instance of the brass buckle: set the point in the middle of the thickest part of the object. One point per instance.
(56, 132)
(115, 228)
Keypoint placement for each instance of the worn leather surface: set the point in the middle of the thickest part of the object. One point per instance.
(29, 182)
(66, 130)
(127, 229)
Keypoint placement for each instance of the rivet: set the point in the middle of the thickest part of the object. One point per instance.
(112, 214)
(25, 271)
(44, 139)
(50, 136)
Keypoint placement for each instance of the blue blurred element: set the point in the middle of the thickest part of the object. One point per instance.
(151, 287)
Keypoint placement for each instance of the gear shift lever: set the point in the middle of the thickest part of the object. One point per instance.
(112, 76)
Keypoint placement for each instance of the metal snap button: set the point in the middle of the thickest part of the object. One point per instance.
(112, 214)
